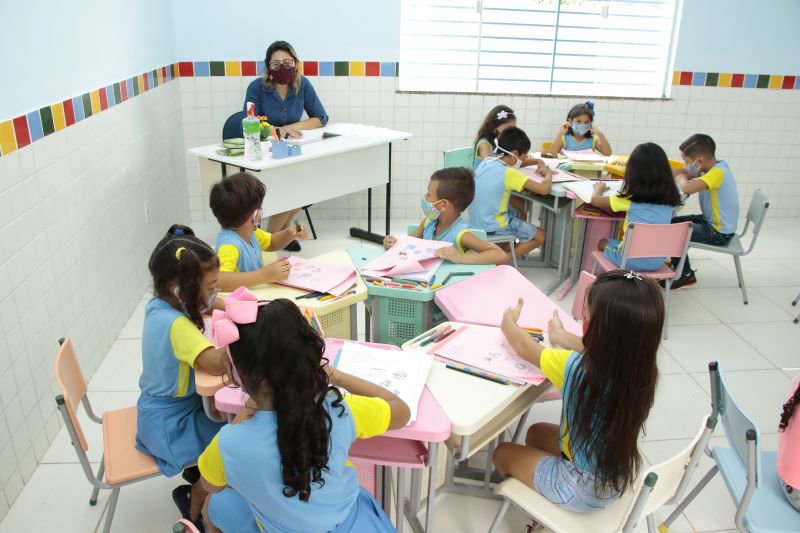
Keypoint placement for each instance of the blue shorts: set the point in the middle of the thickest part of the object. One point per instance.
(613, 253)
(570, 487)
(521, 229)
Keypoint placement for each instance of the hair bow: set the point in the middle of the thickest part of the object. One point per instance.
(241, 307)
(630, 275)
(502, 115)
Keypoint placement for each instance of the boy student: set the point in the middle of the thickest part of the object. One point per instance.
(236, 203)
(495, 178)
(450, 191)
(719, 199)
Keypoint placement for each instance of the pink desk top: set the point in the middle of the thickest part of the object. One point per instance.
(484, 297)
(431, 425)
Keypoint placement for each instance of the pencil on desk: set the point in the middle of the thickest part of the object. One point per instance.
(478, 374)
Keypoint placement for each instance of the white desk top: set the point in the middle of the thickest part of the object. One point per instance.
(353, 137)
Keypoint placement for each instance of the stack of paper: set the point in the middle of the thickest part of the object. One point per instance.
(588, 156)
(558, 175)
(402, 373)
(409, 258)
(486, 348)
(313, 276)
(309, 136)
(583, 189)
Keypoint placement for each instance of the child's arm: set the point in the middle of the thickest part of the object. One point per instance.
(544, 187)
(602, 146)
(484, 150)
(281, 238)
(556, 146)
(214, 361)
(271, 273)
(598, 200)
(486, 253)
(400, 412)
(518, 338)
(561, 337)
(692, 186)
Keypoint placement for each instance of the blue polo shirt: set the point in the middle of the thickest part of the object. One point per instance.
(282, 112)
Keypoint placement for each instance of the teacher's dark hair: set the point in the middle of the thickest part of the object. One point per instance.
(289, 49)
(282, 354)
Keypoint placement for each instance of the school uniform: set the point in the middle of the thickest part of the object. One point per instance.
(640, 213)
(172, 426)
(238, 255)
(245, 457)
(569, 142)
(489, 211)
(476, 159)
(452, 234)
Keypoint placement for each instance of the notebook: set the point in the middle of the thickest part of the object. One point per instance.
(410, 258)
(587, 156)
(583, 189)
(313, 276)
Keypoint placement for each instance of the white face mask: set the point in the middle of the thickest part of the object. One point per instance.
(517, 164)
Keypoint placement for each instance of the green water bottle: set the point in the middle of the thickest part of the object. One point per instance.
(251, 127)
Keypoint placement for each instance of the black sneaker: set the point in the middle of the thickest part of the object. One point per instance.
(191, 474)
(684, 281)
(293, 246)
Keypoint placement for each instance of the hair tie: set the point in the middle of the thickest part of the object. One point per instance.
(178, 253)
(590, 104)
(177, 231)
(634, 275)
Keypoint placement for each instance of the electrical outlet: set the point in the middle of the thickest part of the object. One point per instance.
(147, 211)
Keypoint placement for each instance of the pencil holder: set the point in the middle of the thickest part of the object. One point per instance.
(282, 150)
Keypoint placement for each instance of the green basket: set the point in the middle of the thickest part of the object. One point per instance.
(398, 320)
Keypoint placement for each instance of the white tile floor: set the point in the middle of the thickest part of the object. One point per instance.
(757, 345)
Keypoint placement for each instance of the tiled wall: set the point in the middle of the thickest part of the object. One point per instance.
(745, 122)
(74, 253)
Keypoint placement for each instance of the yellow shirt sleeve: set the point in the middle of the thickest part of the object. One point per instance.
(210, 464)
(187, 341)
(619, 204)
(554, 363)
(515, 180)
(713, 178)
(264, 239)
(228, 257)
(371, 416)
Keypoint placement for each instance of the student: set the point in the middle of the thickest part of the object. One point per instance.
(788, 461)
(236, 203)
(498, 119)
(577, 132)
(172, 426)
(495, 178)
(648, 195)
(719, 199)
(282, 465)
(450, 191)
(591, 458)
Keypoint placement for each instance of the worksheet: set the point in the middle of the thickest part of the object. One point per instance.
(313, 276)
(583, 189)
(409, 255)
(588, 156)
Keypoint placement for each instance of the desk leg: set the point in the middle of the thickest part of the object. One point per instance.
(353, 322)
(208, 407)
(563, 252)
(433, 452)
(367, 235)
(384, 488)
(399, 503)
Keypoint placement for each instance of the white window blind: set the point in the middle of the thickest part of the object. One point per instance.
(566, 47)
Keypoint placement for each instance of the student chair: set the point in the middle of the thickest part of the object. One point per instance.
(546, 148)
(581, 291)
(184, 526)
(653, 488)
(232, 129)
(653, 240)
(756, 214)
(749, 473)
(122, 463)
(460, 157)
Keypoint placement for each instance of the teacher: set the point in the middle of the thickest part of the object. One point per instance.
(283, 95)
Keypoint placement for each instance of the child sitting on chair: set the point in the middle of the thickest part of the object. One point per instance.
(450, 191)
(236, 203)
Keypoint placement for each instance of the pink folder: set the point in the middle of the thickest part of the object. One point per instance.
(483, 298)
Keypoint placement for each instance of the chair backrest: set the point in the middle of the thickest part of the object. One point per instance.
(581, 290)
(479, 233)
(546, 147)
(734, 420)
(460, 157)
(657, 240)
(233, 126)
(756, 214)
(72, 384)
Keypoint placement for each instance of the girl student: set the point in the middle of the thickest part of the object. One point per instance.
(172, 426)
(282, 465)
(648, 195)
(588, 460)
(497, 120)
(579, 133)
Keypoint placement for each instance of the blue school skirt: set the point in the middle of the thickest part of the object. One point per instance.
(173, 431)
(231, 513)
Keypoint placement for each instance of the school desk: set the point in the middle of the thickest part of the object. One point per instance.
(357, 160)
(395, 315)
(414, 447)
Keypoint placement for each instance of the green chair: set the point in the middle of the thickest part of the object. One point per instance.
(460, 157)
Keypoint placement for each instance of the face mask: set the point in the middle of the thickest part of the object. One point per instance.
(580, 129)
(209, 302)
(430, 209)
(283, 75)
(693, 170)
(518, 163)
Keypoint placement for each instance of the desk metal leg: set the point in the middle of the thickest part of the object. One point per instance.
(367, 235)
(353, 322)
(563, 257)
(575, 270)
(383, 487)
(399, 503)
(208, 407)
(433, 452)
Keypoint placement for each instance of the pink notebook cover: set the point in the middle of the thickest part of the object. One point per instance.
(483, 298)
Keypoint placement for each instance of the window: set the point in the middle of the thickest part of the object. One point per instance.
(561, 47)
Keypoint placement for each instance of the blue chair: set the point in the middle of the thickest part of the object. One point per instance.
(749, 473)
(232, 129)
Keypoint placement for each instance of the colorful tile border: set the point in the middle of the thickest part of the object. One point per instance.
(23, 130)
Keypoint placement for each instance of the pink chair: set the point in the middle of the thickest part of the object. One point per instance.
(653, 240)
(184, 526)
(584, 281)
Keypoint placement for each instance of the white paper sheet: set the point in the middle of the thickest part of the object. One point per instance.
(409, 258)
(583, 189)
(588, 156)
(313, 276)
(309, 136)
(403, 373)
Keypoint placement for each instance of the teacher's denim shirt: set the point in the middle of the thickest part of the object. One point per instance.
(282, 112)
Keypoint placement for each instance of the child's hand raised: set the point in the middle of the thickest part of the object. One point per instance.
(566, 125)
(298, 231)
(276, 271)
(599, 189)
(512, 313)
(389, 241)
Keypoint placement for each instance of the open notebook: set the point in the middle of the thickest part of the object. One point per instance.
(583, 189)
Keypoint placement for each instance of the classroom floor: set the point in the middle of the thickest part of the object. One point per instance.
(757, 345)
